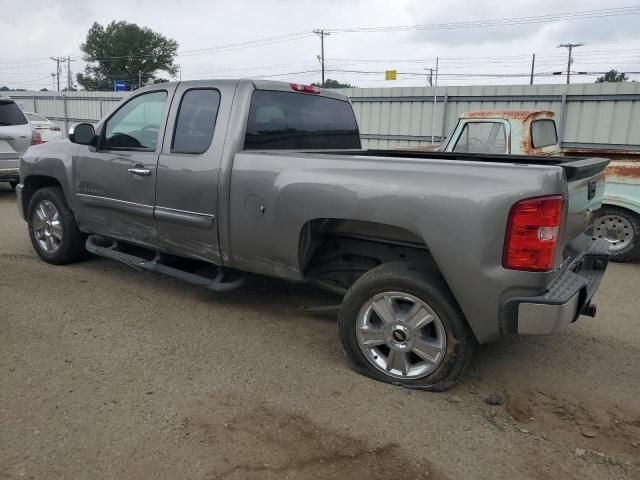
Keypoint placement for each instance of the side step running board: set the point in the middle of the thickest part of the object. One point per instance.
(95, 244)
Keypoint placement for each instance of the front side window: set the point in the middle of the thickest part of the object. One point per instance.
(137, 124)
(196, 121)
(482, 137)
(543, 133)
(289, 120)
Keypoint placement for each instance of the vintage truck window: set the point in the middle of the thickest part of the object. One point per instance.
(136, 124)
(196, 121)
(283, 120)
(543, 133)
(482, 137)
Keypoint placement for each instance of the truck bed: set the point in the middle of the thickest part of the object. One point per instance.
(575, 167)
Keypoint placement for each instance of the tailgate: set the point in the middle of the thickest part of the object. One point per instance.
(585, 189)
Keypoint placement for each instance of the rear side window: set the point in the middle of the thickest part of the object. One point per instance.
(482, 137)
(543, 133)
(10, 114)
(196, 121)
(296, 121)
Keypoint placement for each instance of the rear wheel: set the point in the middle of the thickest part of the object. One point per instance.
(400, 324)
(53, 230)
(621, 228)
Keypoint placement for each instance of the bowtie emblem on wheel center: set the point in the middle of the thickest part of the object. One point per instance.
(399, 336)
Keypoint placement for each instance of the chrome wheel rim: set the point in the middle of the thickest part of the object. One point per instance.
(400, 335)
(47, 227)
(616, 229)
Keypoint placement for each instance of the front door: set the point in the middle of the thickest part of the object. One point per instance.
(115, 182)
(187, 185)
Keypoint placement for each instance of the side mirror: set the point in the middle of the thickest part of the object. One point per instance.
(82, 134)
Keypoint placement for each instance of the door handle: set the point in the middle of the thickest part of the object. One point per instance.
(139, 170)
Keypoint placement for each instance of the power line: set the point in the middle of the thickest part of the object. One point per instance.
(564, 16)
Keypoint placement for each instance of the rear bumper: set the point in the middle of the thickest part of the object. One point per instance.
(568, 296)
(7, 174)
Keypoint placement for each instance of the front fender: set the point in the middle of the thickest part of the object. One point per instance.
(50, 160)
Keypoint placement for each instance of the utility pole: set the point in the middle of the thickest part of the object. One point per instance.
(570, 46)
(430, 77)
(53, 79)
(433, 111)
(322, 34)
(69, 81)
(139, 78)
(533, 64)
(58, 60)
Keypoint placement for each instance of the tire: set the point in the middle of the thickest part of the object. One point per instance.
(621, 227)
(69, 247)
(13, 184)
(405, 287)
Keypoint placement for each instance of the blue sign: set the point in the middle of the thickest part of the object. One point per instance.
(119, 86)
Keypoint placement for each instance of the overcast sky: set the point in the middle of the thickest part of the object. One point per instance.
(38, 29)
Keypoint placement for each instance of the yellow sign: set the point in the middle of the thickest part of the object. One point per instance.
(390, 74)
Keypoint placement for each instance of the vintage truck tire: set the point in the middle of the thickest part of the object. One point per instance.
(621, 228)
(400, 324)
(53, 230)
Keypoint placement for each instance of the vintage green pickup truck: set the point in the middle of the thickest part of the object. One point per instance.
(533, 132)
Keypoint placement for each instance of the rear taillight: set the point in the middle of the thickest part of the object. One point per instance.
(36, 138)
(532, 233)
(305, 88)
(55, 129)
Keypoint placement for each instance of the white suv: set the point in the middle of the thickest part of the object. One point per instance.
(16, 135)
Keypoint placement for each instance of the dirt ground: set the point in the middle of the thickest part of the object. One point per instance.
(108, 373)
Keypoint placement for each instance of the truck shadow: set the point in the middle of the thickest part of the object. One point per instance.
(6, 193)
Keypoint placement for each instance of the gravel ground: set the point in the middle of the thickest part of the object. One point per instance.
(111, 373)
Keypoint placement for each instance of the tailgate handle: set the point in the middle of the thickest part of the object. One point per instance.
(592, 189)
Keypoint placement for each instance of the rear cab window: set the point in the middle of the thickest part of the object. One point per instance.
(543, 133)
(298, 121)
(10, 114)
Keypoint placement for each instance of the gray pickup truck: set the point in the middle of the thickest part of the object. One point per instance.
(433, 252)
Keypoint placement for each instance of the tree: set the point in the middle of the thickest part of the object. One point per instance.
(44, 89)
(613, 76)
(125, 51)
(330, 83)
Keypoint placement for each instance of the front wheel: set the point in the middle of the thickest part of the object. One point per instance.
(400, 324)
(621, 228)
(53, 230)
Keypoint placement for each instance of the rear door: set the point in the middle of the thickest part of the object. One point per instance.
(115, 183)
(188, 168)
(15, 136)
